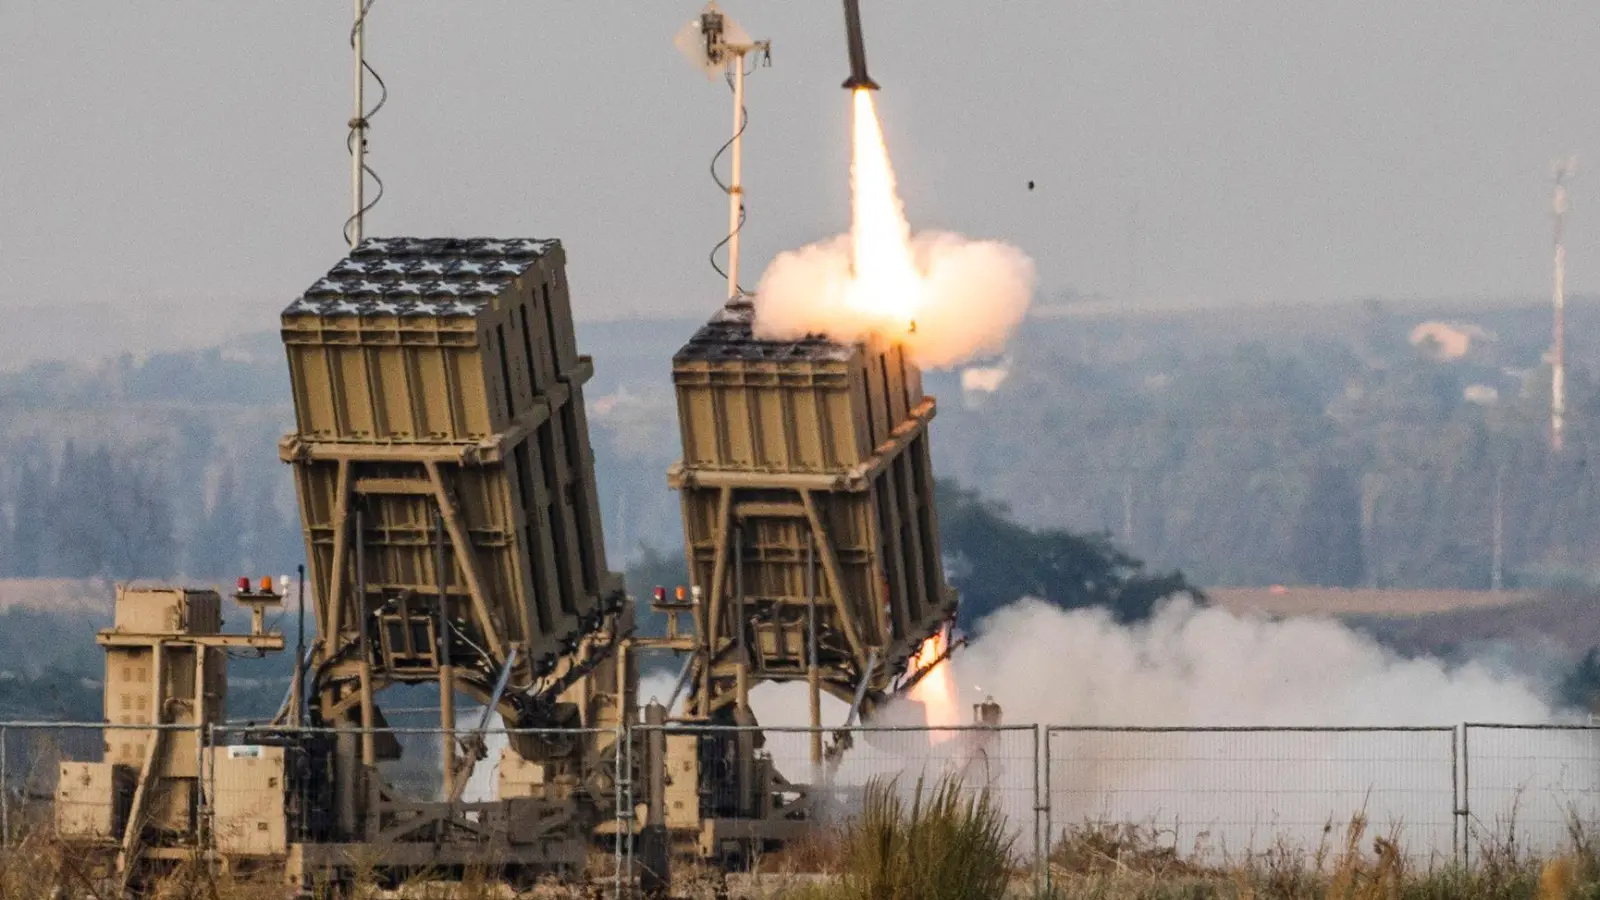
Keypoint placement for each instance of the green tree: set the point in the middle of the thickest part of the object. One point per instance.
(995, 561)
(1580, 689)
(137, 525)
(1327, 531)
(29, 511)
(217, 548)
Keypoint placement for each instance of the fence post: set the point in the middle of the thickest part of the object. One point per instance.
(5, 794)
(1455, 797)
(623, 786)
(627, 850)
(1049, 823)
(1040, 804)
(205, 782)
(1466, 795)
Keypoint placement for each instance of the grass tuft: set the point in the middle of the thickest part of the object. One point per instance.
(940, 843)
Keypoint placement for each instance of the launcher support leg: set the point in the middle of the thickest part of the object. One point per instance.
(369, 739)
(447, 681)
(655, 877)
(447, 720)
(830, 568)
(814, 682)
(334, 611)
(713, 607)
(462, 542)
(813, 672)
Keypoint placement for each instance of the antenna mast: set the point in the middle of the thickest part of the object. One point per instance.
(356, 142)
(1558, 365)
(715, 43)
(358, 125)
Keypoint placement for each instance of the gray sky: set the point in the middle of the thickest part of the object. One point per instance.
(170, 153)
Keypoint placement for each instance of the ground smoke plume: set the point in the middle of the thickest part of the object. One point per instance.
(1193, 666)
(1210, 791)
(946, 297)
(1190, 666)
(1189, 675)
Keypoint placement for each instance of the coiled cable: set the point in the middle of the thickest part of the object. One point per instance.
(744, 122)
(358, 126)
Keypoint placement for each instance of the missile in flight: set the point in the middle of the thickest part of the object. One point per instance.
(859, 79)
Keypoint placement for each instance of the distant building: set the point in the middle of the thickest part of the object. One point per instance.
(1448, 340)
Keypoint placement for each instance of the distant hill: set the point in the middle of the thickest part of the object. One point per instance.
(1559, 622)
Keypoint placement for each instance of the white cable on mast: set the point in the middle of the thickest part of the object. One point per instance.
(356, 142)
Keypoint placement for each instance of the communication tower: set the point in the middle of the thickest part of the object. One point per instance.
(1558, 352)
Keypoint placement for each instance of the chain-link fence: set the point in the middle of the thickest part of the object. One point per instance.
(77, 779)
(1530, 789)
(1205, 794)
(757, 789)
(518, 799)
(1213, 795)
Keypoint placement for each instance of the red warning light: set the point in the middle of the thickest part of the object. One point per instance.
(244, 584)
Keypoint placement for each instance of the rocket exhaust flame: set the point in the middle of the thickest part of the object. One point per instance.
(946, 298)
(934, 689)
(886, 285)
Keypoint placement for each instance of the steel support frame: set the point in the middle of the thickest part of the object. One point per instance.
(336, 639)
(718, 638)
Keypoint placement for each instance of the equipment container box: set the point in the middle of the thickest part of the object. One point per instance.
(248, 817)
(92, 800)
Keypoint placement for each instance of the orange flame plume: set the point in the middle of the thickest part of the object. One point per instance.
(935, 690)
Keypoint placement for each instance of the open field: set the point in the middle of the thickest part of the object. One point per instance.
(1305, 601)
(1560, 622)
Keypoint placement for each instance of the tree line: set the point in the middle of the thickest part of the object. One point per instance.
(1349, 456)
(97, 511)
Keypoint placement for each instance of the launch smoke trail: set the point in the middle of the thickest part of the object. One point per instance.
(946, 297)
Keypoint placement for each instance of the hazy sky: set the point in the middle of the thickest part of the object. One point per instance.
(176, 150)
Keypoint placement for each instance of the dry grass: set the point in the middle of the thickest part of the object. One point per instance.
(941, 843)
(1123, 863)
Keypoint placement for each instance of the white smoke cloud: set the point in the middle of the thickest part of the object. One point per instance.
(1246, 790)
(974, 294)
(1233, 791)
(1199, 666)
(1209, 666)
